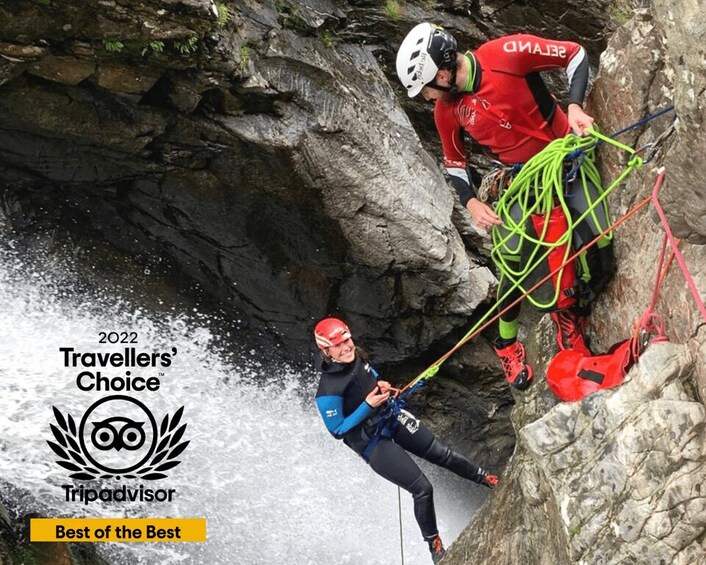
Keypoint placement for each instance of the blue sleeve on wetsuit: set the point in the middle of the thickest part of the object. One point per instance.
(331, 410)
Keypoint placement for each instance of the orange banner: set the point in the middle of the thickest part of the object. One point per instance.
(117, 529)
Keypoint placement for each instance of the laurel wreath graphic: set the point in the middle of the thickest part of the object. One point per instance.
(169, 447)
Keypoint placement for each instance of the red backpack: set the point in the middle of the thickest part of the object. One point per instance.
(571, 376)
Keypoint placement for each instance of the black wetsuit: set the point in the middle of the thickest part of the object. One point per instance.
(341, 402)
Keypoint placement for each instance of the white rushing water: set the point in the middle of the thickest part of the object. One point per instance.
(273, 485)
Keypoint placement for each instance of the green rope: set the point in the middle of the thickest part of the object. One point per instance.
(536, 190)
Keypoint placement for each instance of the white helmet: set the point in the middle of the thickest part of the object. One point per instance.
(425, 50)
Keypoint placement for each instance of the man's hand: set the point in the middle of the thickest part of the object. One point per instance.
(482, 214)
(579, 121)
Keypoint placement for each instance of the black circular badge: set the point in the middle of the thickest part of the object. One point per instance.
(118, 434)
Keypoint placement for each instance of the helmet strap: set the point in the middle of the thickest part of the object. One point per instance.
(453, 89)
(439, 87)
(452, 69)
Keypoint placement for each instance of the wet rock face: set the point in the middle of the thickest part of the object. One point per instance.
(640, 75)
(614, 478)
(684, 35)
(641, 498)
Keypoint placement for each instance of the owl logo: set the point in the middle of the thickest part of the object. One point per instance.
(118, 437)
(106, 436)
(118, 444)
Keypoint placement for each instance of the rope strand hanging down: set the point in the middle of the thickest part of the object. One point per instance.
(674, 246)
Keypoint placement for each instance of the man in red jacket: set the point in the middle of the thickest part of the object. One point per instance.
(496, 95)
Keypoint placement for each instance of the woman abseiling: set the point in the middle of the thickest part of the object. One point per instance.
(351, 399)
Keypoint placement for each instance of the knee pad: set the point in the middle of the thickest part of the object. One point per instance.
(606, 257)
(600, 262)
(438, 453)
(421, 488)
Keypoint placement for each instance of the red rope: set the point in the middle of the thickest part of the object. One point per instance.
(674, 245)
(651, 322)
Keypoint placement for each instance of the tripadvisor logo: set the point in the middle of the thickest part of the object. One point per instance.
(117, 437)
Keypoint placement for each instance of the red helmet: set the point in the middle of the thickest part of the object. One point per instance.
(331, 331)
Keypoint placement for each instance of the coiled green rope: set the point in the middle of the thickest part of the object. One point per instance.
(536, 190)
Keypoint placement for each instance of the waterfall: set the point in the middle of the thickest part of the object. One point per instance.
(273, 485)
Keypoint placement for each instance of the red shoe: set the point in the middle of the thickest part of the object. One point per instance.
(569, 332)
(517, 372)
(437, 549)
(488, 480)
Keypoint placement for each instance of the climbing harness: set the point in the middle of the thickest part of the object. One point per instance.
(384, 424)
(495, 181)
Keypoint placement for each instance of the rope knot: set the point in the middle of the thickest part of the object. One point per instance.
(635, 162)
(652, 323)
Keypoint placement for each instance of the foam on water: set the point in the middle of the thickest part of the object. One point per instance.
(273, 485)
